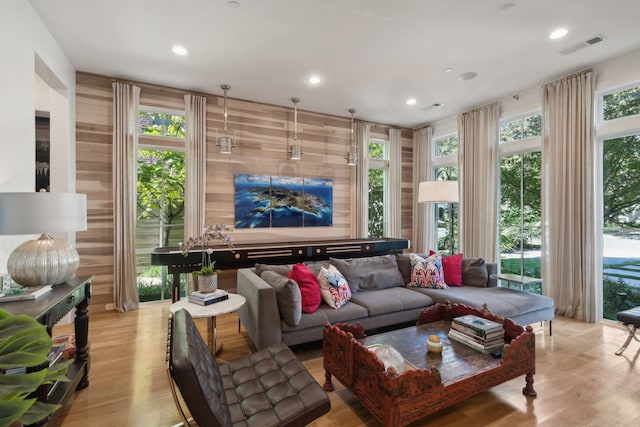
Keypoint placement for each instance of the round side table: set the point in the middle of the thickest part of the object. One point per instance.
(230, 305)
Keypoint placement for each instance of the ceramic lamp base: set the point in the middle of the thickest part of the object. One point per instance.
(44, 261)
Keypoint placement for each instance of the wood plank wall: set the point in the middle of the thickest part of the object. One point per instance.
(261, 132)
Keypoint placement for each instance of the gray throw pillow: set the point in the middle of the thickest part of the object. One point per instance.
(369, 273)
(282, 270)
(474, 272)
(315, 266)
(288, 296)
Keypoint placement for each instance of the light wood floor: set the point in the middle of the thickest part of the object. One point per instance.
(579, 380)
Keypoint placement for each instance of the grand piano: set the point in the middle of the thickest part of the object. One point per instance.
(247, 255)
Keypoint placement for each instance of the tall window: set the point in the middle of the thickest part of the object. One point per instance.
(160, 196)
(520, 197)
(447, 214)
(378, 187)
(445, 161)
(620, 199)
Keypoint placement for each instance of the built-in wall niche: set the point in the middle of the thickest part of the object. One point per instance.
(43, 164)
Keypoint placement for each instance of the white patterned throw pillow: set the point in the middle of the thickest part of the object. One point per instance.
(427, 272)
(333, 287)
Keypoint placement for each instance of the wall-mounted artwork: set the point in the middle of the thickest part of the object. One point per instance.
(264, 201)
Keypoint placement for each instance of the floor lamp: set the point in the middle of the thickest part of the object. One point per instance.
(440, 192)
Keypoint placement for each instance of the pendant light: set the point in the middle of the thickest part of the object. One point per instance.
(294, 149)
(352, 155)
(225, 139)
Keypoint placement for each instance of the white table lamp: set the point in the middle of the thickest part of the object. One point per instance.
(45, 260)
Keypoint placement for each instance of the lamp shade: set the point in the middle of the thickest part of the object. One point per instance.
(43, 261)
(35, 213)
(438, 192)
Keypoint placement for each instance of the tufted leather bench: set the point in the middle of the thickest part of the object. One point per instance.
(631, 319)
(268, 388)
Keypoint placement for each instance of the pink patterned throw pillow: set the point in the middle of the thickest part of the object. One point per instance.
(333, 287)
(427, 272)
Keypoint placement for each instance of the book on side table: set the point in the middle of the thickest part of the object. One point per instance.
(24, 293)
(207, 298)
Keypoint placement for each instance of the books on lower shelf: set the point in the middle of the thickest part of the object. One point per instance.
(207, 298)
(478, 333)
(24, 293)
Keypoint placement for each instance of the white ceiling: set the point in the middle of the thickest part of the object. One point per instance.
(372, 54)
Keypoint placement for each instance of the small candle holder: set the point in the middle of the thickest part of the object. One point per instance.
(434, 345)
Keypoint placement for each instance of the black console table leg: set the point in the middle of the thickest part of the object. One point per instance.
(81, 327)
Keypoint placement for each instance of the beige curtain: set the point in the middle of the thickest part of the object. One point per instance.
(196, 170)
(568, 196)
(361, 215)
(394, 226)
(125, 166)
(423, 231)
(479, 159)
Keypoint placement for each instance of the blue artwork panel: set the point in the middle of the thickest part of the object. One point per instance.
(318, 202)
(287, 202)
(252, 200)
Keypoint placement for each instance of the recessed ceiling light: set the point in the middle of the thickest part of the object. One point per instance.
(437, 104)
(179, 50)
(558, 33)
(314, 79)
(448, 70)
(411, 101)
(467, 76)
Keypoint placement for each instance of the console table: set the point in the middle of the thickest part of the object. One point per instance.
(48, 310)
(247, 255)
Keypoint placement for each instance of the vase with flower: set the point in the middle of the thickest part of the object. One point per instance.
(207, 276)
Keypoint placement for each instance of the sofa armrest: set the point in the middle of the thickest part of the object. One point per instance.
(492, 270)
(259, 315)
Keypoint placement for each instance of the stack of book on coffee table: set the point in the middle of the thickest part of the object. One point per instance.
(207, 298)
(480, 334)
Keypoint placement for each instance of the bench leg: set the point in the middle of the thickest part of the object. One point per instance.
(632, 334)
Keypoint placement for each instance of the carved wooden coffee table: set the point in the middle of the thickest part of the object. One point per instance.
(434, 381)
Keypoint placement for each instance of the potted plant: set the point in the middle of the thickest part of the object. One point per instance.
(207, 276)
(25, 342)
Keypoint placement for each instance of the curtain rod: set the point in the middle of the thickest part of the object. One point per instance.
(570, 76)
(490, 104)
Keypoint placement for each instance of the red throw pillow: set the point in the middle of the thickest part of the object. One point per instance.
(452, 268)
(309, 287)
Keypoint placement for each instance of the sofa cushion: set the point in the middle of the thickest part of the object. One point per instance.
(288, 296)
(505, 302)
(282, 270)
(333, 287)
(390, 300)
(348, 313)
(451, 268)
(427, 272)
(474, 272)
(369, 273)
(309, 287)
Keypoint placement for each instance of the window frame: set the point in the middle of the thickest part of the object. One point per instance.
(599, 104)
(161, 141)
(383, 165)
(434, 142)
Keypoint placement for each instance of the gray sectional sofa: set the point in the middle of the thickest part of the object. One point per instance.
(380, 298)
